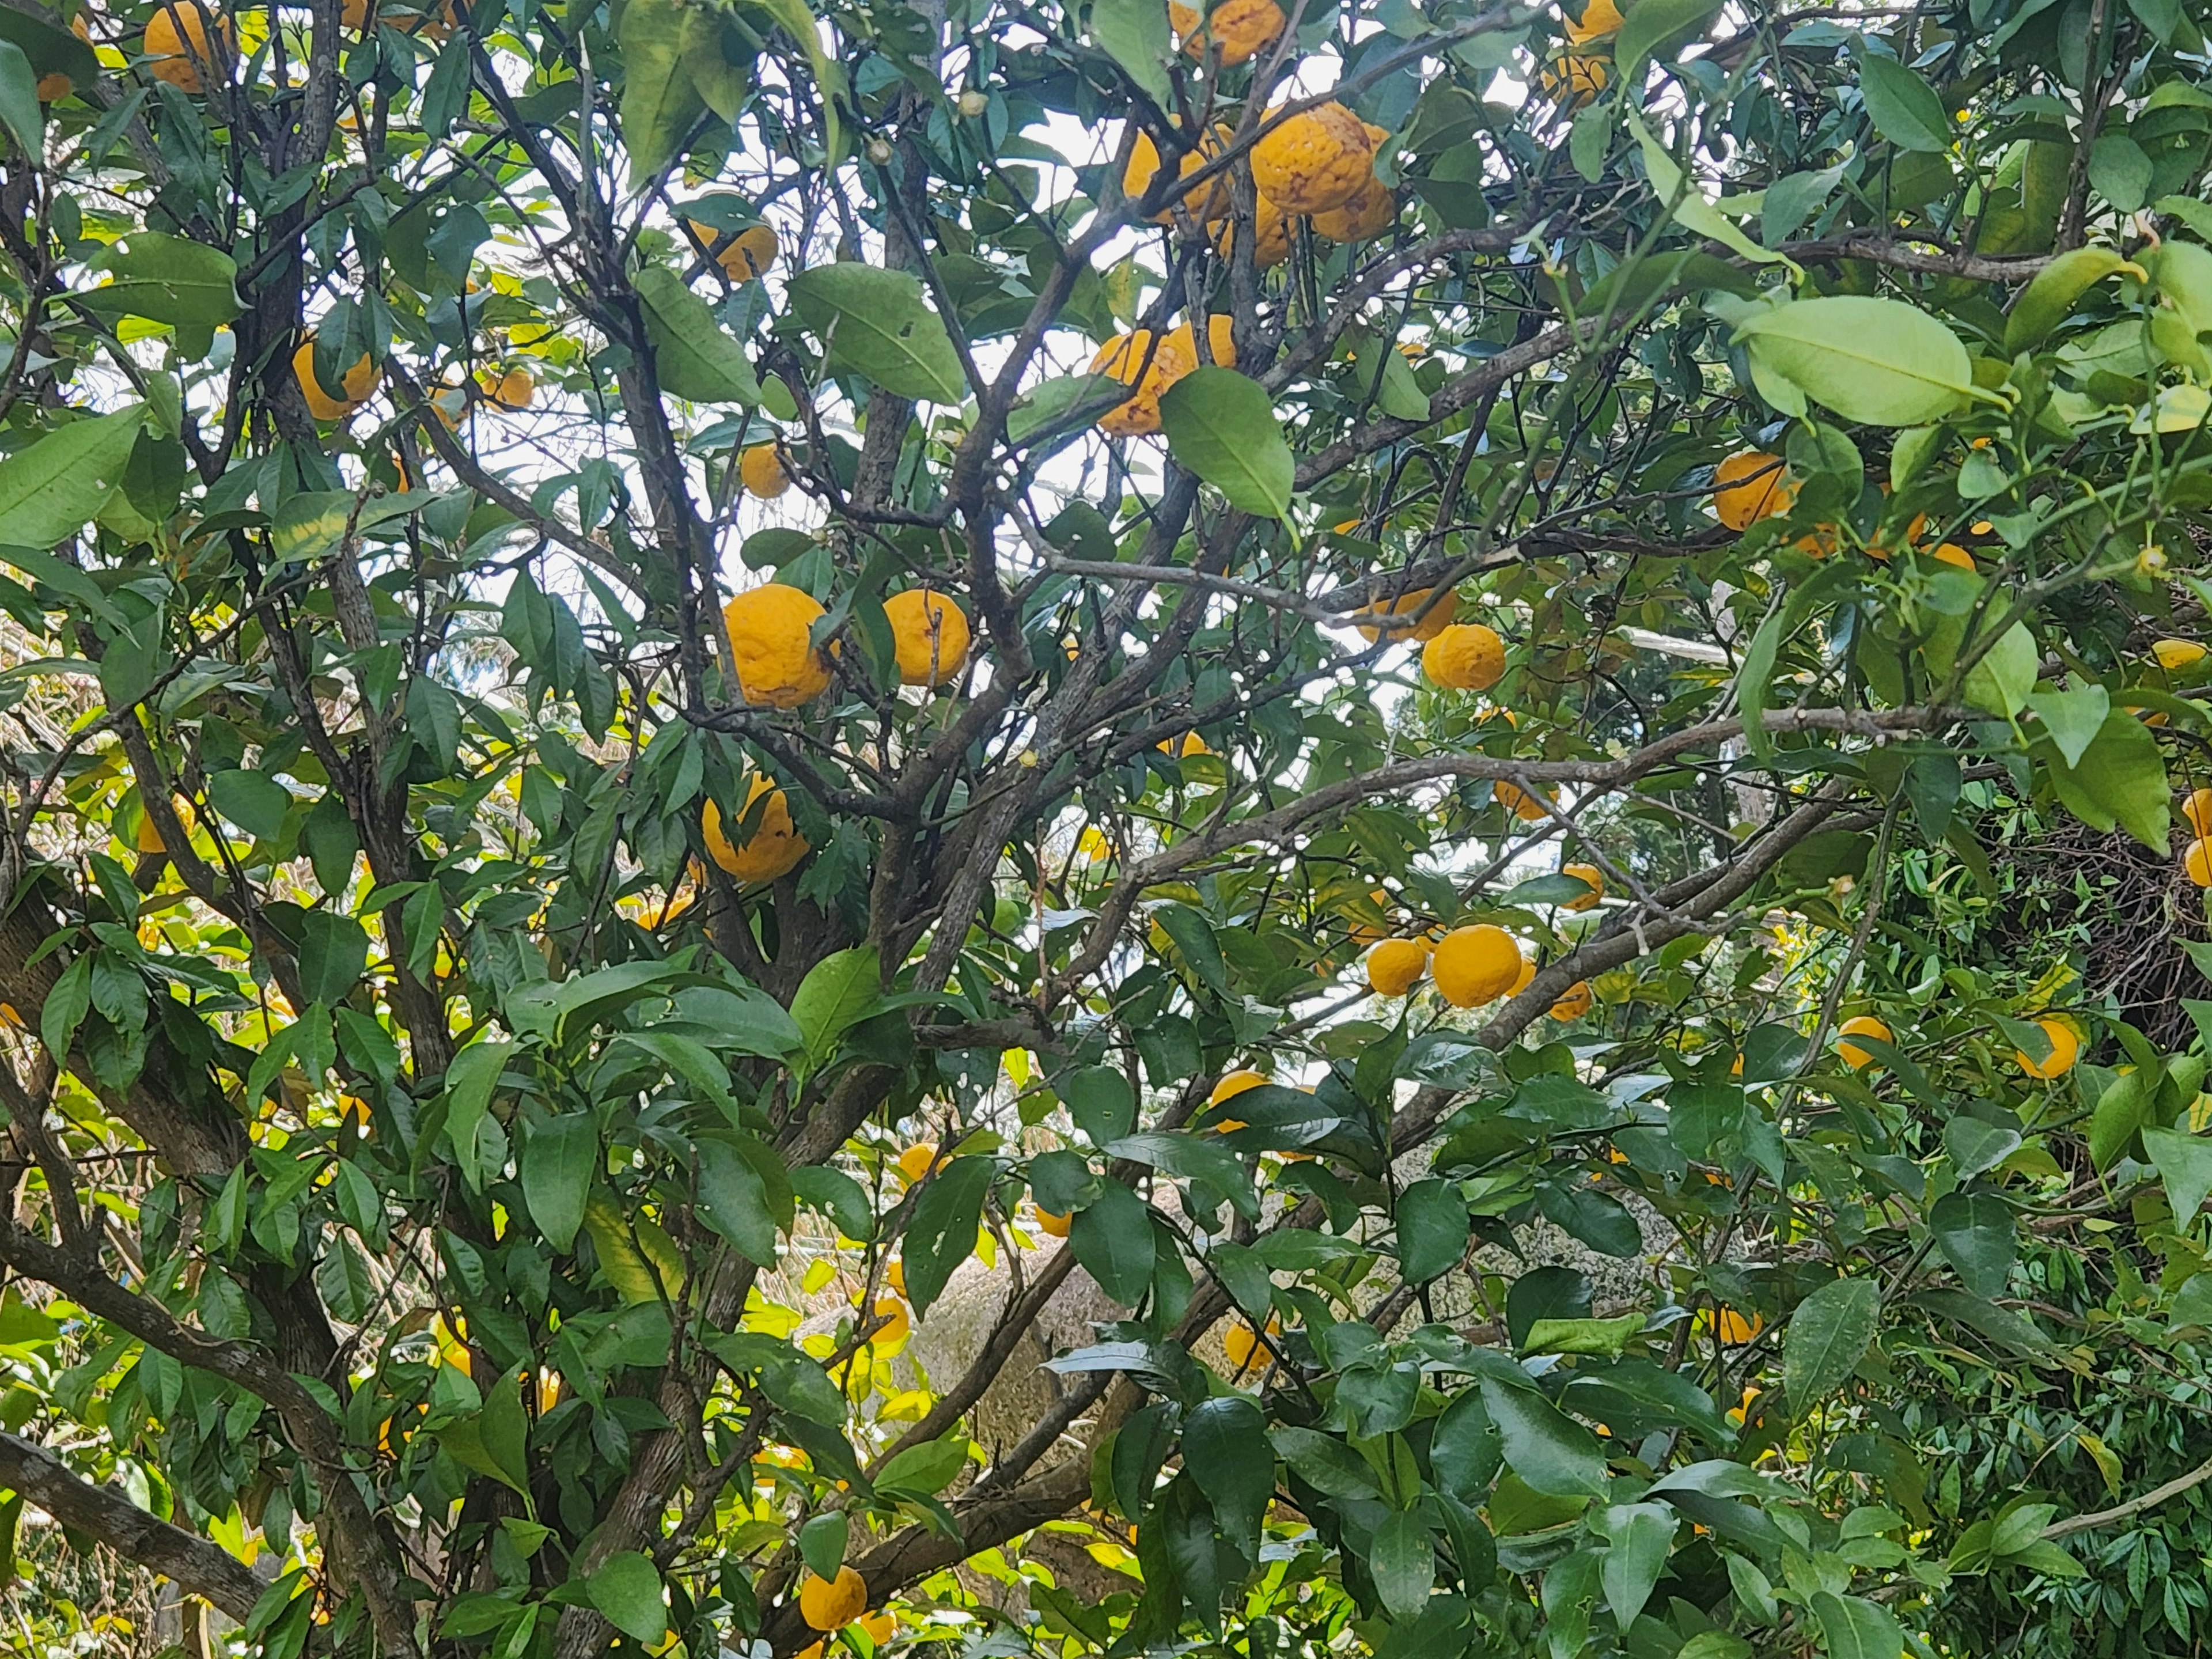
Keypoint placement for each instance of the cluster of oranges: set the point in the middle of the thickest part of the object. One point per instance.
(1455, 655)
(778, 665)
(1574, 78)
(1474, 965)
(1751, 485)
(2062, 1035)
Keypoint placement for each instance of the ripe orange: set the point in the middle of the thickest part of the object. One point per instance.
(1864, 1025)
(1475, 965)
(1751, 485)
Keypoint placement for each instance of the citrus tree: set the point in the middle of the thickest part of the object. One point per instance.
(1327, 713)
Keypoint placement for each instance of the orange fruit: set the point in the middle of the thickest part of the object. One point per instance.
(1590, 875)
(1434, 618)
(1751, 485)
(180, 44)
(1574, 1002)
(764, 471)
(1239, 29)
(1135, 361)
(829, 1604)
(1313, 161)
(1530, 809)
(2197, 809)
(929, 633)
(1864, 1025)
(360, 380)
(2065, 1050)
(2198, 862)
(771, 648)
(775, 846)
(1475, 965)
(1465, 657)
(1396, 966)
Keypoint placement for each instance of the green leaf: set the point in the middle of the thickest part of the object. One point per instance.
(167, 279)
(1754, 680)
(1903, 106)
(1226, 1449)
(1464, 1449)
(1548, 1449)
(1855, 1628)
(1975, 1232)
(693, 355)
(1195, 1157)
(1222, 426)
(52, 489)
(875, 324)
(942, 1234)
(1828, 1334)
(2185, 1164)
(1693, 211)
(2121, 779)
(256, 804)
(1433, 1228)
(734, 1199)
(1657, 29)
(2049, 299)
(20, 112)
(620, 1259)
(1878, 362)
(1113, 1238)
(626, 1587)
(1135, 34)
(468, 1085)
(2121, 171)
(333, 953)
(659, 101)
(1637, 1538)
(2002, 676)
(1603, 1337)
(559, 1157)
(838, 992)
(2072, 718)
(1975, 1147)
(1402, 1561)
(1101, 1101)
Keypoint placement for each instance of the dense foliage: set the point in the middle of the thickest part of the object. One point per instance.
(1334, 734)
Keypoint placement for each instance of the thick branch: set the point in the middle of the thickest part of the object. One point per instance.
(199, 1567)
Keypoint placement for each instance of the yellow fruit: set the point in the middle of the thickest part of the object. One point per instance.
(1952, 553)
(2065, 1050)
(1594, 877)
(52, 88)
(915, 1161)
(177, 41)
(1056, 1225)
(1864, 1025)
(1396, 966)
(1574, 82)
(1238, 28)
(930, 634)
(1751, 485)
(749, 252)
(1600, 18)
(1233, 1084)
(879, 1626)
(2197, 809)
(1209, 206)
(1524, 978)
(1433, 621)
(1475, 965)
(2175, 655)
(896, 1323)
(1574, 1002)
(1134, 360)
(1272, 229)
(1190, 744)
(2198, 862)
(149, 839)
(776, 847)
(1735, 1328)
(1242, 1345)
(360, 380)
(829, 1604)
(776, 660)
(764, 471)
(1465, 657)
(1220, 343)
(1371, 212)
(1530, 809)
(1313, 161)
(512, 390)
